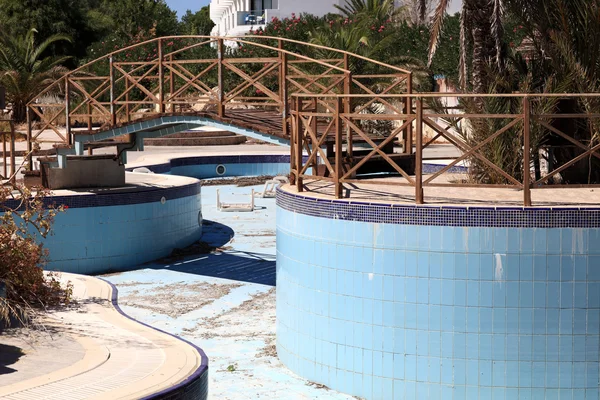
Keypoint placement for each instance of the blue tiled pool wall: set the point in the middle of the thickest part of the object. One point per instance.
(92, 240)
(204, 167)
(242, 165)
(406, 311)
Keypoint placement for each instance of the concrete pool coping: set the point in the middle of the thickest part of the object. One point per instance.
(392, 191)
(124, 359)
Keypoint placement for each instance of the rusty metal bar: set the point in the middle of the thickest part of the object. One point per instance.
(419, 156)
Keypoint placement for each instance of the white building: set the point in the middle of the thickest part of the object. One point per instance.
(238, 17)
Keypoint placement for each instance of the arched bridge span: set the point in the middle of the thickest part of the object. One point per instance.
(166, 85)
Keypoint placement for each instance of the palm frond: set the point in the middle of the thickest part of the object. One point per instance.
(436, 28)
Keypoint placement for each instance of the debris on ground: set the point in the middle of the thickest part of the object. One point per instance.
(241, 181)
(177, 299)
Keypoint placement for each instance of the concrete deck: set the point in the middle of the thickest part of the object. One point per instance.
(395, 191)
(224, 302)
(96, 352)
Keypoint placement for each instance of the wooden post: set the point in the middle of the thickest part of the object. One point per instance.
(4, 158)
(408, 132)
(13, 162)
(161, 79)
(419, 155)
(113, 116)
(283, 89)
(339, 125)
(314, 127)
(127, 107)
(299, 145)
(68, 112)
(29, 140)
(348, 104)
(89, 112)
(171, 83)
(221, 94)
(526, 152)
(293, 143)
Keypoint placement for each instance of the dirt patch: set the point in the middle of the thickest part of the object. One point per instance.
(248, 320)
(270, 349)
(177, 299)
(242, 181)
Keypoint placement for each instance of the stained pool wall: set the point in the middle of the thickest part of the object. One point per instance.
(414, 302)
(108, 232)
(122, 229)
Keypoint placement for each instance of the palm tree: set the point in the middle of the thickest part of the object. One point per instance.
(481, 32)
(25, 70)
(565, 37)
(373, 10)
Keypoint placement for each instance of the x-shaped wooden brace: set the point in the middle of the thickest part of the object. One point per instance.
(313, 154)
(472, 151)
(136, 83)
(316, 144)
(588, 152)
(191, 79)
(377, 95)
(254, 82)
(257, 76)
(378, 149)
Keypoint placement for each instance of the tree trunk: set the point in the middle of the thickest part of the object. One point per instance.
(19, 111)
(483, 43)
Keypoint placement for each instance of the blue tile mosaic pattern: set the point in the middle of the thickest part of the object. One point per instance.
(417, 311)
(90, 240)
(507, 217)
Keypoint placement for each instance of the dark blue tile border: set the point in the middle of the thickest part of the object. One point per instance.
(193, 387)
(118, 199)
(505, 217)
(216, 160)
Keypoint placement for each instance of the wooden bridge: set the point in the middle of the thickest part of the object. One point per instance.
(241, 84)
(353, 116)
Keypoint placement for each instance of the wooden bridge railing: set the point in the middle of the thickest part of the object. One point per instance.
(201, 74)
(491, 149)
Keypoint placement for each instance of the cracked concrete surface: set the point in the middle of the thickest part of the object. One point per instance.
(224, 303)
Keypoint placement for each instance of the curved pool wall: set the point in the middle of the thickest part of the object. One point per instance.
(205, 167)
(120, 229)
(103, 232)
(416, 302)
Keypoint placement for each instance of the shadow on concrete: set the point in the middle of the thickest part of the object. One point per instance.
(230, 264)
(225, 262)
(216, 234)
(8, 356)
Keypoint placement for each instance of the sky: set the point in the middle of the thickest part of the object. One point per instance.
(181, 6)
